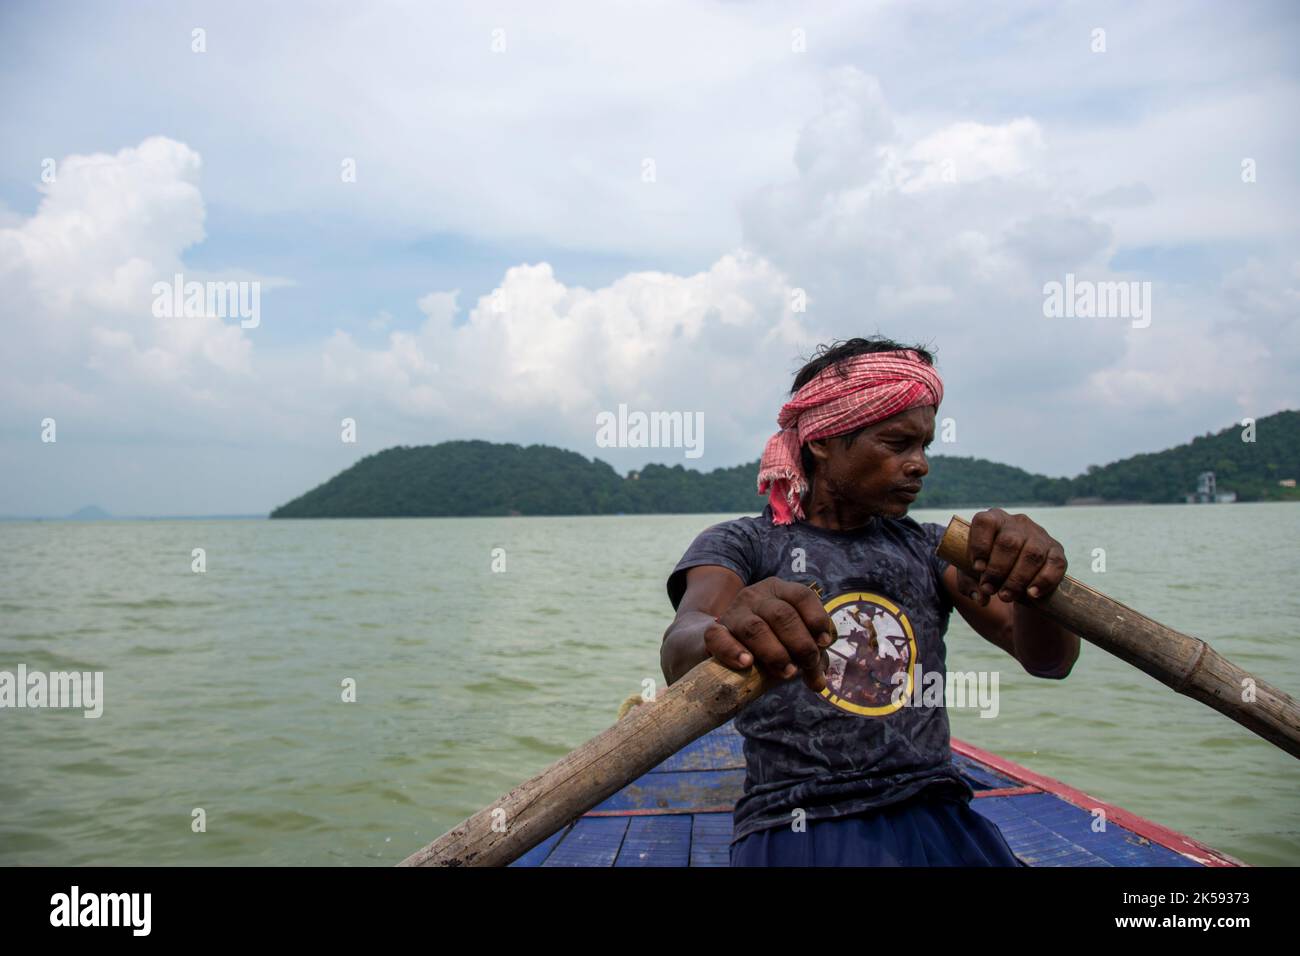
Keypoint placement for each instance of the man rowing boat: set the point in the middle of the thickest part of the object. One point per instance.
(836, 776)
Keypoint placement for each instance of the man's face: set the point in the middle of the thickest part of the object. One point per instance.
(880, 474)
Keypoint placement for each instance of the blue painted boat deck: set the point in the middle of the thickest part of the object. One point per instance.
(679, 814)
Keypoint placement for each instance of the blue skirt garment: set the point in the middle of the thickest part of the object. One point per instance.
(924, 831)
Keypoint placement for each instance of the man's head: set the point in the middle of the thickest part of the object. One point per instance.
(833, 357)
(880, 471)
(854, 432)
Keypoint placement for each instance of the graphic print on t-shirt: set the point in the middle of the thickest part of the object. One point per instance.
(869, 670)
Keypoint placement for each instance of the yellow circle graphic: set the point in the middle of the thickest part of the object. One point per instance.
(874, 656)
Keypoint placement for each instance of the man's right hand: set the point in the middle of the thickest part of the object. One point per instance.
(780, 624)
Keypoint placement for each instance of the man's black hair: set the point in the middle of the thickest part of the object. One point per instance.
(833, 355)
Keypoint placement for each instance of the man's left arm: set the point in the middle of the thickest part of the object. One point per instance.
(1019, 564)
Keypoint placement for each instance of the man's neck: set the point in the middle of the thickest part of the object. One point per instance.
(824, 511)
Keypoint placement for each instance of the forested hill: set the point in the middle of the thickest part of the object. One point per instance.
(1250, 468)
(464, 478)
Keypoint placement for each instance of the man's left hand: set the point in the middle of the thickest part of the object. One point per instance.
(1013, 557)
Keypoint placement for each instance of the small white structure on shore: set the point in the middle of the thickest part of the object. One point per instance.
(1207, 492)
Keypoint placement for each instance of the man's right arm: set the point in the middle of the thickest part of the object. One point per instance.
(780, 623)
(710, 589)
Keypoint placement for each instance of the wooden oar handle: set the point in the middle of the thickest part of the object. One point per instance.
(1187, 664)
(955, 544)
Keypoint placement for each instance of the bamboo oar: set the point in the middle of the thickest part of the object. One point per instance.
(710, 695)
(1187, 664)
(707, 697)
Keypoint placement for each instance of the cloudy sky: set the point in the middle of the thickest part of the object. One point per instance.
(498, 220)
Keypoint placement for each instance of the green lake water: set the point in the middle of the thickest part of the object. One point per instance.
(223, 690)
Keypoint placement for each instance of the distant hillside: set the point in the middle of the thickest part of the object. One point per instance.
(954, 482)
(1251, 469)
(89, 513)
(464, 478)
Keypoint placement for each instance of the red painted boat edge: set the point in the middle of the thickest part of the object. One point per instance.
(1172, 839)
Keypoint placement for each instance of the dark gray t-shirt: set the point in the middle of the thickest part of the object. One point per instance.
(866, 741)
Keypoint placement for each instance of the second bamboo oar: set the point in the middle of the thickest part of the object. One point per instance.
(1187, 664)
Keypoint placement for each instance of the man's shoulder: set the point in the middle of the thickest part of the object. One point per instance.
(735, 544)
(748, 525)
